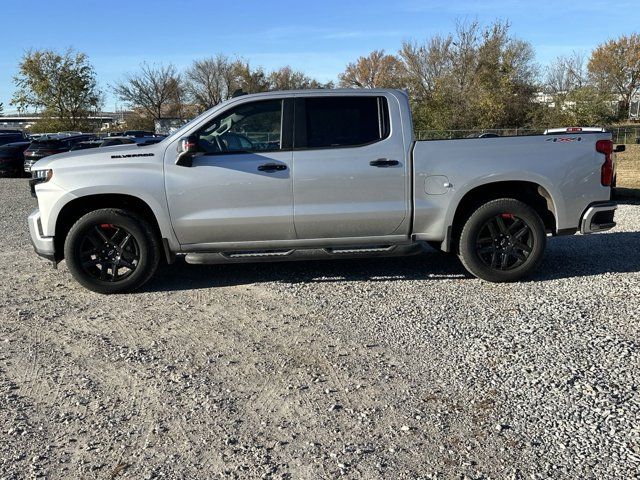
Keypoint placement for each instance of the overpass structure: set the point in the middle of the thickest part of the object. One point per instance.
(23, 122)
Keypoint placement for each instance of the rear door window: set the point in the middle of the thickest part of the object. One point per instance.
(341, 121)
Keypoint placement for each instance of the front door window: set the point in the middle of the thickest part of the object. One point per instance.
(252, 127)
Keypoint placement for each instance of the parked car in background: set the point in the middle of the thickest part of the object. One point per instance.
(138, 133)
(11, 136)
(10, 130)
(148, 140)
(45, 146)
(111, 141)
(69, 133)
(484, 135)
(87, 145)
(12, 159)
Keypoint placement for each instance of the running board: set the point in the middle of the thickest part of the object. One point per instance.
(363, 250)
(258, 254)
(201, 258)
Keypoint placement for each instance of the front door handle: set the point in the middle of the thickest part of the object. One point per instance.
(272, 167)
(383, 162)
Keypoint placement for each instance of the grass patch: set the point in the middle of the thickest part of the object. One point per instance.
(628, 167)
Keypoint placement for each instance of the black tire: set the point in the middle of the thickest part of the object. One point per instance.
(502, 241)
(108, 238)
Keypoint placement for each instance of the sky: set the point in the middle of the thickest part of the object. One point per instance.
(318, 37)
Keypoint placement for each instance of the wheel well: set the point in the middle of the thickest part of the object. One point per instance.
(75, 209)
(530, 193)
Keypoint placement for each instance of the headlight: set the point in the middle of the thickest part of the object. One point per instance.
(39, 176)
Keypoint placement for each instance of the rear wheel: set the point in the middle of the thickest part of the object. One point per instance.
(112, 251)
(502, 241)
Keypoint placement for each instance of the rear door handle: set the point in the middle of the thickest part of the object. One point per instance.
(383, 162)
(272, 167)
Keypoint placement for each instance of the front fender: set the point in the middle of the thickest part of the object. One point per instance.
(56, 198)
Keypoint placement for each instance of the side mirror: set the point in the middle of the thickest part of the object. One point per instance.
(620, 148)
(187, 147)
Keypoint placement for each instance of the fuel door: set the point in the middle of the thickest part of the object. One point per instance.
(437, 185)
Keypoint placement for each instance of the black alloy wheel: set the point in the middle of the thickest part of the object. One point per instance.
(112, 250)
(109, 252)
(504, 242)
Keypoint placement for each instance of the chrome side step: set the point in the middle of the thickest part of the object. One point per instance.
(363, 250)
(258, 254)
(200, 258)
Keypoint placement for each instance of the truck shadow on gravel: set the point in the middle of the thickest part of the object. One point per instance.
(566, 257)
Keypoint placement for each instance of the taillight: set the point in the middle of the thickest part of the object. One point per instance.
(606, 173)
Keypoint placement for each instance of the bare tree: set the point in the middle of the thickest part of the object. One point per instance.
(211, 81)
(376, 70)
(427, 63)
(567, 73)
(157, 90)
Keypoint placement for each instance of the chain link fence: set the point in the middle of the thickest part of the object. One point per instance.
(625, 135)
(621, 135)
(474, 133)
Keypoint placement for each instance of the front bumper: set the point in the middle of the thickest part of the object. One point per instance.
(44, 246)
(598, 217)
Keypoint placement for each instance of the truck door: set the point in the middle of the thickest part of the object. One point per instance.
(239, 185)
(350, 171)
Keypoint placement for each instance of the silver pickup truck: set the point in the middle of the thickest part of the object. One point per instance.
(317, 174)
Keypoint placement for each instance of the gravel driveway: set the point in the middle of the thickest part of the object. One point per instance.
(382, 368)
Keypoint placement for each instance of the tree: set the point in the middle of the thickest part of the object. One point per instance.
(472, 79)
(249, 80)
(211, 81)
(157, 90)
(589, 106)
(615, 68)
(62, 86)
(1, 109)
(426, 64)
(215, 79)
(376, 70)
(574, 100)
(566, 73)
(286, 78)
(137, 120)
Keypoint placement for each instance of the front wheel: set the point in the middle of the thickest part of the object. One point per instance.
(112, 251)
(502, 241)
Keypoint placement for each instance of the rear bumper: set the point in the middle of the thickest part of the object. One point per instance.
(44, 246)
(598, 217)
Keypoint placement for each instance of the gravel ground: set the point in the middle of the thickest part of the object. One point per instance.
(382, 368)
